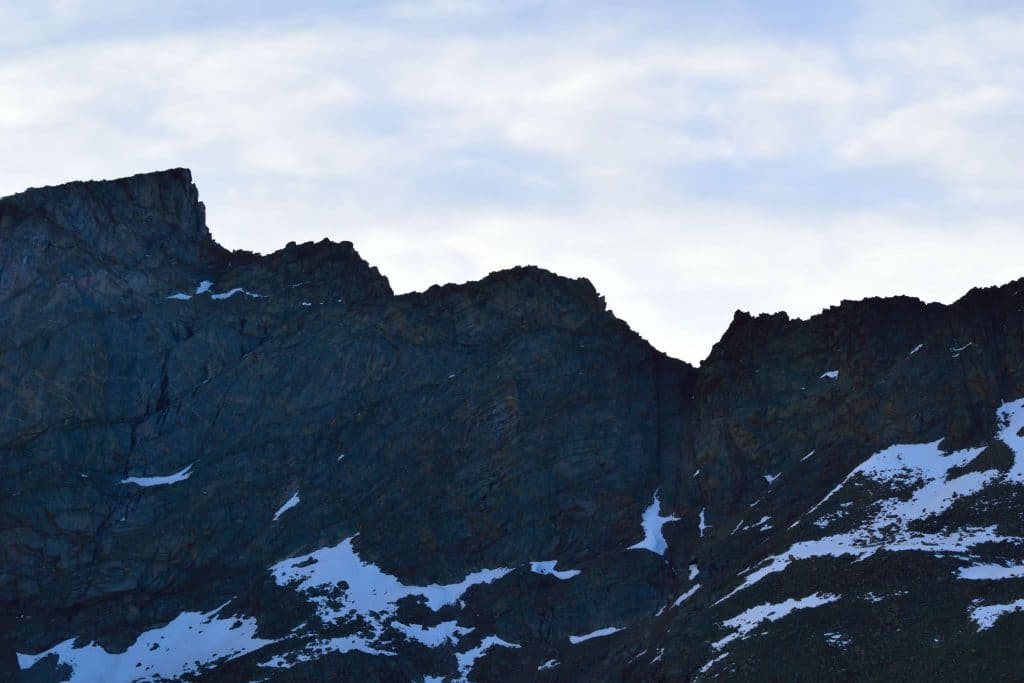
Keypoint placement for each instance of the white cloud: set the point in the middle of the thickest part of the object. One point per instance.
(953, 107)
(688, 172)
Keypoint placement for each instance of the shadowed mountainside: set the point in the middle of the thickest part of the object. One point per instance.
(224, 466)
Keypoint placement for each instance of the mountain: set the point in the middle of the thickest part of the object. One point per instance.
(222, 466)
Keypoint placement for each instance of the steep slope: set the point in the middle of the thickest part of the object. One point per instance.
(224, 466)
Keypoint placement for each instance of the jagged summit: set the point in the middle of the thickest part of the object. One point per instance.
(179, 176)
(222, 466)
(127, 235)
(163, 204)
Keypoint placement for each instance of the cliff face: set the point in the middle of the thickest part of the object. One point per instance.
(224, 466)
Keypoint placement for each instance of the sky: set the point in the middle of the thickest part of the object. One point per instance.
(689, 158)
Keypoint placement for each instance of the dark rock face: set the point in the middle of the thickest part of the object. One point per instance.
(224, 466)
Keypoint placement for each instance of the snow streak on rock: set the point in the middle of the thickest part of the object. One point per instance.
(747, 621)
(160, 481)
(288, 505)
(922, 483)
(599, 633)
(711, 662)
(237, 290)
(687, 595)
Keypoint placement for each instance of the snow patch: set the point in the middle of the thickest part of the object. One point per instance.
(550, 664)
(652, 523)
(202, 288)
(549, 569)
(701, 526)
(985, 616)
(957, 351)
(466, 660)
(923, 471)
(160, 481)
(770, 478)
(836, 639)
(188, 645)
(694, 570)
(1011, 417)
(370, 595)
(915, 350)
(986, 572)
(369, 589)
(761, 525)
(324, 646)
(433, 636)
(826, 520)
(831, 374)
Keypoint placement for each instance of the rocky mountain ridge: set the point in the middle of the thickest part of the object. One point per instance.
(225, 466)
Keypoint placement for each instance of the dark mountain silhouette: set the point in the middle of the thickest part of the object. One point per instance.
(222, 466)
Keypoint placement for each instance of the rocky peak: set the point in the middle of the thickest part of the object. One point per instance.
(515, 300)
(312, 274)
(148, 208)
(151, 223)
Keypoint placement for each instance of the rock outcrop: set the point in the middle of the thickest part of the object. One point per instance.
(224, 466)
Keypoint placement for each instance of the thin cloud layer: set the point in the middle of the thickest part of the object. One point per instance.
(690, 162)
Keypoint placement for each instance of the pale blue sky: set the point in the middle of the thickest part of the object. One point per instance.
(690, 158)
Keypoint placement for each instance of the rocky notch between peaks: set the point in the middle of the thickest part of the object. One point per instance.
(222, 466)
